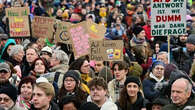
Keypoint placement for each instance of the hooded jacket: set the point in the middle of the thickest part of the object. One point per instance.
(4, 55)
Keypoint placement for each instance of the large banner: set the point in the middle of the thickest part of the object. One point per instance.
(43, 27)
(62, 32)
(106, 50)
(168, 17)
(18, 21)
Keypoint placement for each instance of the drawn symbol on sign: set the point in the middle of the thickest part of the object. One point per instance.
(64, 36)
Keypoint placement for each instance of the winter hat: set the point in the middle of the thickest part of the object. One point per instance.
(89, 106)
(9, 90)
(42, 79)
(137, 29)
(74, 74)
(5, 67)
(154, 64)
(47, 49)
(132, 79)
(191, 39)
(65, 14)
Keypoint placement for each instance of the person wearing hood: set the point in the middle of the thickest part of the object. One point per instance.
(99, 94)
(6, 50)
(130, 97)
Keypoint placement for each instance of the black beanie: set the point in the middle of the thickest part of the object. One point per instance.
(9, 90)
(132, 79)
(74, 74)
(137, 29)
(89, 106)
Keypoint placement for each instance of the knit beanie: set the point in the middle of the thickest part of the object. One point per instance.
(154, 64)
(9, 90)
(137, 30)
(191, 39)
(132, 79)
(89, 106)
(74, 74)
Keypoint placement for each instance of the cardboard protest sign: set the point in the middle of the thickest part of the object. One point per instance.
(18, 21)
(80, 39)
(62, 32)
(96, 31)
(168, 17)
(43, 27)
(106, 50)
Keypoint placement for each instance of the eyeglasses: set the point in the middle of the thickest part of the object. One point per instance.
(4, 99)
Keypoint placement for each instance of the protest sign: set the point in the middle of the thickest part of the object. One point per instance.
(62, 32)
(43, 27)
(95, 31)
(18, 21)
(106, 50)
(79, 39)
(168, 17)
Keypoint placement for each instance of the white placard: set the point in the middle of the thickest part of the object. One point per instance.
(168, 17)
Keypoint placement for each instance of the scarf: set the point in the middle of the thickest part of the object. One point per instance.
(23, 104)
(155, 78)
(138, 41)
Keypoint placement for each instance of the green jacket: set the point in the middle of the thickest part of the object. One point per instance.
(191, 102)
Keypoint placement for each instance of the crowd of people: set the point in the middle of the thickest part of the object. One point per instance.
(41, 74)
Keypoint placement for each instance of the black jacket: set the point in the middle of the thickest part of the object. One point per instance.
(138, 105)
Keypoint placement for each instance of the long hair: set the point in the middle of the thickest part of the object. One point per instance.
(124, 100)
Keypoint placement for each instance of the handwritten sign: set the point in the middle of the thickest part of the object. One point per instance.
(106, 50)
(18, 21)
(80, 39)
(42, 27)
(62, 32)
(95, 31)
(168, 17)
